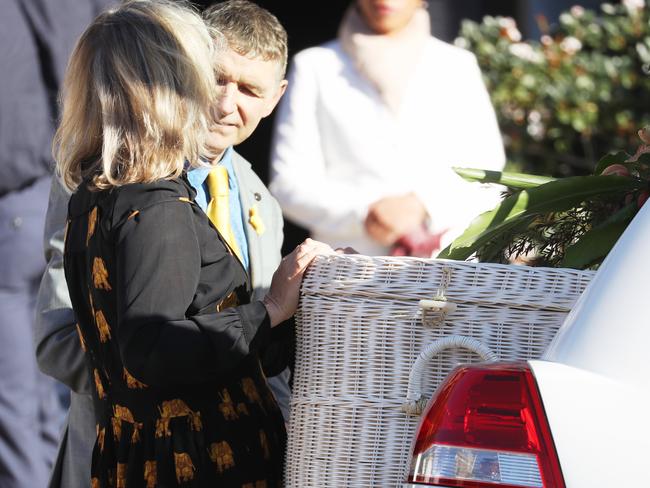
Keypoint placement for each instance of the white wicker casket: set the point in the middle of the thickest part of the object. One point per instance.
(360, 332)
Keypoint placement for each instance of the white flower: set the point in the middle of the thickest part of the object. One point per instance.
(514, 34)
(577, 11)
(570, 45)
(536, 130)
(546, 40)
(461, 42)
(509, 29)
(507, 23)
(526, 52)
(634, 4)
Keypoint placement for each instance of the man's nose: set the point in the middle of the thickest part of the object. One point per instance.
(227, 102)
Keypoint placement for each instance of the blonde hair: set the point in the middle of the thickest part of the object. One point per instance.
(136, 96)
(250, 30)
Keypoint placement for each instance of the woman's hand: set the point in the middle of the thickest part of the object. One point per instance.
(346, 250)
(390, 218)
(282, 299)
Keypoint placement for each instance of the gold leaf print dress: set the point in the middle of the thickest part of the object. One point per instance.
(172, 342)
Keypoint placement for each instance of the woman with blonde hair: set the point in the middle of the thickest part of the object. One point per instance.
(163, 307)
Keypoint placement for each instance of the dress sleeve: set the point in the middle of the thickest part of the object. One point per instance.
(158, 261)
(280, 352)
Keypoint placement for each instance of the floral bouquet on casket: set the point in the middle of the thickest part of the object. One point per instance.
(570, 222)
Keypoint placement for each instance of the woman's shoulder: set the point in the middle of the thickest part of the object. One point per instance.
(141, 197)
(320, 57)
(122, 202)
(440, 51)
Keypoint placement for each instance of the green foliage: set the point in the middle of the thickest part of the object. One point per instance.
(530, 205)
(570, 222)
(580, 91)
(596, 243)
(609, 159)
(518, 181)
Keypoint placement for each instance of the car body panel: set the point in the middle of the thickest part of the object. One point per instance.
(595, 376)
(608, 330)
(600, 428)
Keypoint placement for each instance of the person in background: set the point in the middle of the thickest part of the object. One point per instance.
(36, 38)
(255, 58)
(370, 128)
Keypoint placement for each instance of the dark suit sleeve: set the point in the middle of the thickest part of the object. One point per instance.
(58, 350)
(157, 273)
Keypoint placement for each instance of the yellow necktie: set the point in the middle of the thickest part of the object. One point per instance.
(219, 207)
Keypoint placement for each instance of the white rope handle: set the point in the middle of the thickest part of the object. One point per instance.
(415, 401)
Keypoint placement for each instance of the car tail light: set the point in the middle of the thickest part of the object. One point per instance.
(486, 427)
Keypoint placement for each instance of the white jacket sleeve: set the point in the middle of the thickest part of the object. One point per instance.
(484, 148)
(309, 194)
(479, 145)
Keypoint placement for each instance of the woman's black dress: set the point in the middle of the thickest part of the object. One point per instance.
(172, 341)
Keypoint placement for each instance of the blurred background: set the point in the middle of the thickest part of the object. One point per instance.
(567, 86)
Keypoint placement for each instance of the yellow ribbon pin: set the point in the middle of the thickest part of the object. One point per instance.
(255, 220)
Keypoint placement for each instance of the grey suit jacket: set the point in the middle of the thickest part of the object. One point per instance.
(58, 350)
(264, 249)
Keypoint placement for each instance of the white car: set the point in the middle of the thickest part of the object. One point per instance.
(577, 418)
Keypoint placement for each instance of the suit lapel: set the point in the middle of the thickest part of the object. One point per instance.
(240, 165)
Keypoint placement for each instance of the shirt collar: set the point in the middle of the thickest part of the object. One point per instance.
(197, 176)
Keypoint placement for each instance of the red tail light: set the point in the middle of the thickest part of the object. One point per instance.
(486, 427)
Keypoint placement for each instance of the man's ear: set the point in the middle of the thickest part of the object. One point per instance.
(276, 98)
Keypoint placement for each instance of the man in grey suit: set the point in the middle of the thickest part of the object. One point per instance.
(251, 81)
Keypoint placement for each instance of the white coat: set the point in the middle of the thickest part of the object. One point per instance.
(337, 148)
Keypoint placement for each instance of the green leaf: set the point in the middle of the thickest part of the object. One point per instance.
(596, 243)
(555, 196)
(612, 158)
(493, 250)
(517, 181)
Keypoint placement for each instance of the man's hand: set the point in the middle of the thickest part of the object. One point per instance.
(390, 218)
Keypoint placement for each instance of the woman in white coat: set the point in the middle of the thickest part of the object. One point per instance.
(372, 124)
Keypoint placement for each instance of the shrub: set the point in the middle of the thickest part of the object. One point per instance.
(580, 91)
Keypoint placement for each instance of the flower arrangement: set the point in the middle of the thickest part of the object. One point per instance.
(570, 222)
(578, 92)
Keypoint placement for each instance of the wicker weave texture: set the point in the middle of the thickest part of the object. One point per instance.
(359, 332)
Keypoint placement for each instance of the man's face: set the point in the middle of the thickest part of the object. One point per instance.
(249, 90)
